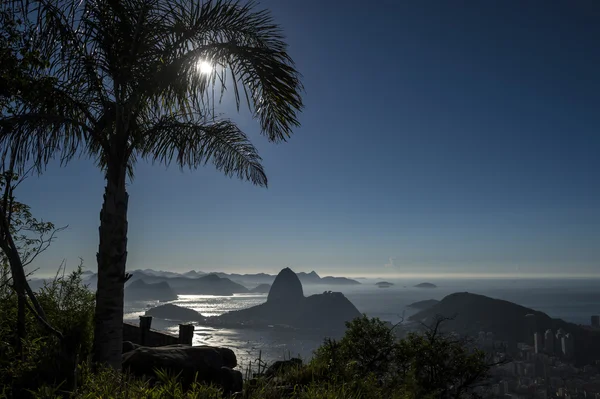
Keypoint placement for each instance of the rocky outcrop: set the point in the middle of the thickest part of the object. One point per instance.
(210, 365)
(139, 290)
(286, 288)
(287, 306)
(174, 312)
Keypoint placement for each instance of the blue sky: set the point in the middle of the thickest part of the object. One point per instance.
(436, 138)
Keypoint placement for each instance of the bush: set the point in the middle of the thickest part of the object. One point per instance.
(422, 365)
(46, 360)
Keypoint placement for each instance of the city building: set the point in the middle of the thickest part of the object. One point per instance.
(567, 345)
(549, 342)
(537, 342)
(530, 328)
(558, 341)
(596, 320)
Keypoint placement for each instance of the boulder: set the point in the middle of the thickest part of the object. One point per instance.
(211, 365)
(231, 380)
(128, 346)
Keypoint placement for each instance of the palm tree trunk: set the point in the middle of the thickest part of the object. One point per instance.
(111, 257)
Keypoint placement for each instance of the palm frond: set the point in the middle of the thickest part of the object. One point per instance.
(194, 143)
(246, 44)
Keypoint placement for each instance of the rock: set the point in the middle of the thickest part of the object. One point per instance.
(286, 288)
(139, 290)
(282, 366)
(174, 312)
(287, 306)
(261, 289)
(232, 381)
(128, 346)
(211, 365)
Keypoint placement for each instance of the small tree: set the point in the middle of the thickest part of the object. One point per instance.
(422, 365)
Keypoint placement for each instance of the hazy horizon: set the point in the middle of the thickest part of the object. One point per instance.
(372, 276)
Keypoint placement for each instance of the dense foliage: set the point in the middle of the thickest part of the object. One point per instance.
(45, 360)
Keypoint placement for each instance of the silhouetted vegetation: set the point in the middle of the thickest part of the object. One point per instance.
(45, 359)
(122, 82)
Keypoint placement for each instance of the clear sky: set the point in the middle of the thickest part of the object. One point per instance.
(438, 137)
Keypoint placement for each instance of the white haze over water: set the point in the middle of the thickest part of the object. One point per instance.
(569, 299)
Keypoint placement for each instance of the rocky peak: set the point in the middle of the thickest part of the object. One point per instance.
(286, 287)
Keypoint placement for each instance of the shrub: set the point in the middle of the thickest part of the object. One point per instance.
(427, 364)
(46, 360)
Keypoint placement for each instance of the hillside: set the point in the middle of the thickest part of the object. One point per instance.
(180, 282)
(139, 290)
(473, 313)
(421, 305)
(206, 285)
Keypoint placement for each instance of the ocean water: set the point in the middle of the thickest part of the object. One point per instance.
(571, 300)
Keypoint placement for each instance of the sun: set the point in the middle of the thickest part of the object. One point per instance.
(204, 67)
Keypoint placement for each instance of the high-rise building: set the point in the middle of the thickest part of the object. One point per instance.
(558, 341)
(568, 345)
(530, 328)
(537, 342)
(596, 320)
(549, 342)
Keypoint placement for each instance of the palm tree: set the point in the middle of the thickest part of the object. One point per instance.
(128, 87)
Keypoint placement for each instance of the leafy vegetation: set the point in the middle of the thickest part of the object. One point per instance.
(46, 359)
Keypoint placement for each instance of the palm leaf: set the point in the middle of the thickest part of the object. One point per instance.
(194, 143)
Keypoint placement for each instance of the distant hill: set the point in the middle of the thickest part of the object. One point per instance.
(311, 278)
(261, 289)
(210, 284)
(174, 312)
(421, 305)
(474, 313)
(384, 284)
(193, 274)
(140, 291)
(189, 282)
(426, 285)
(329, 280)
